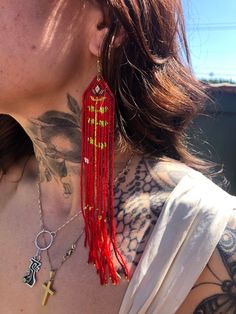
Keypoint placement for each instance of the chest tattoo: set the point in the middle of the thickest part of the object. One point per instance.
(138, 204)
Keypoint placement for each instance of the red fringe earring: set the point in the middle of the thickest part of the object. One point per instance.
(97, 178)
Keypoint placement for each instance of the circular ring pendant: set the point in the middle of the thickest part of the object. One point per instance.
(50, 238)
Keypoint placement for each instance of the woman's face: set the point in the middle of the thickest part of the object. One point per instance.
(42, 45)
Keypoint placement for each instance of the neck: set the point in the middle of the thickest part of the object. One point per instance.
(56, 136)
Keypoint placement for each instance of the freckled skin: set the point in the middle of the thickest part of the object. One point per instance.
(45, 66)
(39, 53)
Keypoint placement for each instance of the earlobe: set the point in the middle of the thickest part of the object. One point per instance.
(96, 41)
(95, 45)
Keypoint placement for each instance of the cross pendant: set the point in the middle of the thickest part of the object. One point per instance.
(48, 288)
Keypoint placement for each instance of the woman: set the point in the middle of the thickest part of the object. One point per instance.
(175, 230)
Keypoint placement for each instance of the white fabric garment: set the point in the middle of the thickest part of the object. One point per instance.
(182, 241)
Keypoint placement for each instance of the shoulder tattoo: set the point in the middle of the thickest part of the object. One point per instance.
(225, 301)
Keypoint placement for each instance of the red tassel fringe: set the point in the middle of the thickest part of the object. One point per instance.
(97, 179)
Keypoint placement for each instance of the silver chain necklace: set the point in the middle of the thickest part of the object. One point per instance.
(35, 261)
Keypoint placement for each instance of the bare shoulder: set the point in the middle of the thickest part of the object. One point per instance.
(168, 171)
(215, 289)
(141, 193)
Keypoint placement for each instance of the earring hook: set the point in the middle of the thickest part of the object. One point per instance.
(99, 69)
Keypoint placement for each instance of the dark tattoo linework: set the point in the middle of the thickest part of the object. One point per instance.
(57, 141)
(138, 204)
(138, 200)
(224, 302)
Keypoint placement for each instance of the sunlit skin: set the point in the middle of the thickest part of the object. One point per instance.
(48, 56)
(50, 49)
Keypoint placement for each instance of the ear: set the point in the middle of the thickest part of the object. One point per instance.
(99, 27)
(96, 41)
(100, 31)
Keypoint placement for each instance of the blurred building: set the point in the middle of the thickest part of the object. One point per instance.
(216, 137)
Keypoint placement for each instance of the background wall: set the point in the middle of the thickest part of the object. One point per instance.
(217, 137)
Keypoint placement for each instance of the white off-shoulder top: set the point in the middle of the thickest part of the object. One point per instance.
(182, 241)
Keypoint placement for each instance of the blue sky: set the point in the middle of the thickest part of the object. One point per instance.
(211, 30)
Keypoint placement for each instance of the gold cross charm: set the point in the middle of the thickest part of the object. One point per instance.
(47, 286)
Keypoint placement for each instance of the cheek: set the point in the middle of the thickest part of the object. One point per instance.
(39, 51)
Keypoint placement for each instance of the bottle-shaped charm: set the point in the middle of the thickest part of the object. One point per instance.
(35, 262)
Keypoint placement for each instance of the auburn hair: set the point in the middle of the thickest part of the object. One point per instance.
(149, 72)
